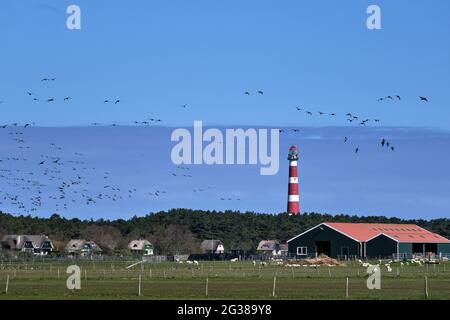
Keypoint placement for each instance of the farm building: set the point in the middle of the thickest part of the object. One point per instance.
(35, 244)
(367, 240)
(141, 247)
(212, 246)
(82, 248)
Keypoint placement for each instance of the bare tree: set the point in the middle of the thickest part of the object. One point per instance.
(3, 233)
(107, 237)
(175, 239)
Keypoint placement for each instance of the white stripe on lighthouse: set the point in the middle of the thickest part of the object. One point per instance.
(293, 180)
(293, 198)
(293, 163)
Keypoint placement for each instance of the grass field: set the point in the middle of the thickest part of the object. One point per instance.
(46, 279)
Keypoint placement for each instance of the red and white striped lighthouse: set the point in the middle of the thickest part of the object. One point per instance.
(293, 207)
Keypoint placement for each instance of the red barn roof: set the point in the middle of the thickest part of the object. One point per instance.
(399, 232)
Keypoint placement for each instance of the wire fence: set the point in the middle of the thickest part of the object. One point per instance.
(221, 280)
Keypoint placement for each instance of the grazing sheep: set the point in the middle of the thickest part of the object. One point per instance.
(234, 260)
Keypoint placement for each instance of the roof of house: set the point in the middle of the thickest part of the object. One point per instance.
(210, 245)
(138, 244)
(363, 232)
(78, 245)
(268, 245)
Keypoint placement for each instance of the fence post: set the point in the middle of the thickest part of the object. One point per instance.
(329, 272)
(346, 288)
(274, 285)
(139, 285)
(426, 287)
(206, 286)
(7, 284)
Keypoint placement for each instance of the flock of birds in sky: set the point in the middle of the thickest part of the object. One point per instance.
(351, 118)
(63, 181)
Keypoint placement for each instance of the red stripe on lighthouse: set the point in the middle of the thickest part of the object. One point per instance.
(293, 207)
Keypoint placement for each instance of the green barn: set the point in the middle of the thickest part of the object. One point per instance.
(367, 240)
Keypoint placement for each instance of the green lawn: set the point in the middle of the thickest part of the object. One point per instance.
(239, 280)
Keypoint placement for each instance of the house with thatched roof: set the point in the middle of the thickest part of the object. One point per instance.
(141, 246)
(269, 248)
(83, 248)
(35, 244)
(212, 246)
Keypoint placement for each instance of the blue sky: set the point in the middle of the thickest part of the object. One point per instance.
(158, 55)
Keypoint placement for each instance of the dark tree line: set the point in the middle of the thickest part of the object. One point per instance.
(181, 230)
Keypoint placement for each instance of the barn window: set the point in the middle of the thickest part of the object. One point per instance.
(302, 251)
